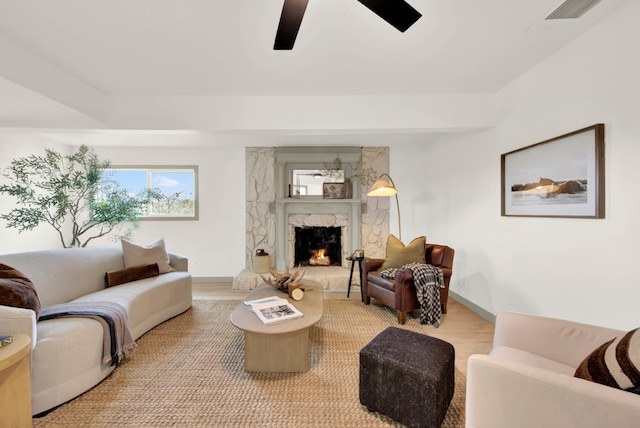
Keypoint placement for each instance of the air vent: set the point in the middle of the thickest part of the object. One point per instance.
(572, 9)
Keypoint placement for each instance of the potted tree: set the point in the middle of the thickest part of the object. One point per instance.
(71, 193)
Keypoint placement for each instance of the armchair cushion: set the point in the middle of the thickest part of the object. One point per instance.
(397, 254)
(615, 363)
(527, 358)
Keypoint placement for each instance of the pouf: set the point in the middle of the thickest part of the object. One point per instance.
(408, 377)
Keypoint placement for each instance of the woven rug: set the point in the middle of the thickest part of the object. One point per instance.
(189, 372)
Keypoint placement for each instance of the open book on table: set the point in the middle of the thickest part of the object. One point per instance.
(271, 310)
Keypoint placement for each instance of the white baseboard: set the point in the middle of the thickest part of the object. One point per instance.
(216, 279)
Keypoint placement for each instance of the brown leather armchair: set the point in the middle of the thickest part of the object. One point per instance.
(400, 293)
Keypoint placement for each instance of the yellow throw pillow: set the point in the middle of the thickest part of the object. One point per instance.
(399, 255)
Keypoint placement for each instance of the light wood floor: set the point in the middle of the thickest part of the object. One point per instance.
(464, 329)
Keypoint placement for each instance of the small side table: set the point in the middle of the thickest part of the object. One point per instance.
(15, 382)
(353, 262)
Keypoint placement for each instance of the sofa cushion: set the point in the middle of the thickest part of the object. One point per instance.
(615, 363)
(397, 254)
(138, 255)
(17, 290)
(121, 276)
(527, 358)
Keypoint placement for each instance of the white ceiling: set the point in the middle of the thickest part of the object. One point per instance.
(65, 61)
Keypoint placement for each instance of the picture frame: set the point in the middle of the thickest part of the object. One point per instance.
(560, 177)
(332, 190)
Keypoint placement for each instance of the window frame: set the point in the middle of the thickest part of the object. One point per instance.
(149, 169)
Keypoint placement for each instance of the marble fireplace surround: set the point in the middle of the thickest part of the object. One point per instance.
(296, 213)
(271, 216)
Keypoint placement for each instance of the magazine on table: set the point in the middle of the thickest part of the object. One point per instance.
(274, 309)
(5, 340)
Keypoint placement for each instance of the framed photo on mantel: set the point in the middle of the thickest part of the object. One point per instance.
(333, 191)
(560, 177)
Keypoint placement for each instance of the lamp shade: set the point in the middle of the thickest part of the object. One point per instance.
(382, 188)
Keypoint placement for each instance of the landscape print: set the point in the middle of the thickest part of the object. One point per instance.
(548, 191)
(562, 177)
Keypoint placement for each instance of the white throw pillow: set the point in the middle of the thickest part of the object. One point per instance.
(138, 255)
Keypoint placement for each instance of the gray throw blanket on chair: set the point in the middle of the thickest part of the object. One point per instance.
(428, 280)
(118, 340)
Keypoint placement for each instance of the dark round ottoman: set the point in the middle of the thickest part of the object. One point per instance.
(408, 377)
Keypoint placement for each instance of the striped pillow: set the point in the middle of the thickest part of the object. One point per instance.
(615, 363)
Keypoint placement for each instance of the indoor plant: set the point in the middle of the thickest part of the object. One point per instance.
(73, 194)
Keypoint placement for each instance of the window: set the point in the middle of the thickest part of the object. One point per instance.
(172, 189)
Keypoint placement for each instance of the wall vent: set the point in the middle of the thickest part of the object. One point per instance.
(572, 9)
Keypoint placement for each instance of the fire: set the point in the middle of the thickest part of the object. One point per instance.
(319, 258)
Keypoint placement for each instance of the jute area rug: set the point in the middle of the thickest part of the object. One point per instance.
(189, 372)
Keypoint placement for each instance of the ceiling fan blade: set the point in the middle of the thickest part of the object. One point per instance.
(398, 13)
(290, 20)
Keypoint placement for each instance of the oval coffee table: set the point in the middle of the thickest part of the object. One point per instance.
(284, 346)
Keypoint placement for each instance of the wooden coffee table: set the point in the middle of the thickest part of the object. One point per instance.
(280, 347)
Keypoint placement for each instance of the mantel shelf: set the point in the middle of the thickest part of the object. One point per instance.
(318, 201)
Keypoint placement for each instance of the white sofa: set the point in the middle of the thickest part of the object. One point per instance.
(66, 357)
(527, 379)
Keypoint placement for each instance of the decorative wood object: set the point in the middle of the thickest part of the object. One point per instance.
(284, 280)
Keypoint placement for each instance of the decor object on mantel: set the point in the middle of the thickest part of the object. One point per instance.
(284, 281)
(383, 188)
(332, 190)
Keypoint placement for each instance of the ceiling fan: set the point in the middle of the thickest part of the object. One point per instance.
(398, 13)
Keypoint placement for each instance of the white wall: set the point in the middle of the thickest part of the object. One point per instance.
(214, 244)
(580, 269)
(13, 146)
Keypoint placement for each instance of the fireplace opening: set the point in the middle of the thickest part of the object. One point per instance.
(318, 246)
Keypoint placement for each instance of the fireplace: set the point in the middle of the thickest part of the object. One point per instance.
(318, 246)
(336, 224)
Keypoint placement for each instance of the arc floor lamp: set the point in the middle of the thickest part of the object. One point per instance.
(383, 187)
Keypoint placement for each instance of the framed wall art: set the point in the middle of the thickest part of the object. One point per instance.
(333, 191)
(560, 177)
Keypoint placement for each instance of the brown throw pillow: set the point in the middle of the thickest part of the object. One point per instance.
(17, 290)
(398, 255)
(615, 363)
(121, 276)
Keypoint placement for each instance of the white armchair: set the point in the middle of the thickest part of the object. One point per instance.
(527, 379)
